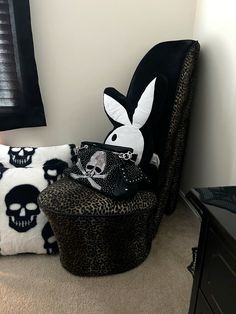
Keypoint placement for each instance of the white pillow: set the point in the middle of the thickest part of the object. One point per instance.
(23, 226)
(36, 156)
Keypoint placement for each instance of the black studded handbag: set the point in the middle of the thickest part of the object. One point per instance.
(109, 169)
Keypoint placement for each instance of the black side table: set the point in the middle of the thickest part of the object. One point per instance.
(214, 285)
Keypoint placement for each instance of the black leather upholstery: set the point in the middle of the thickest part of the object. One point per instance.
(165, 59)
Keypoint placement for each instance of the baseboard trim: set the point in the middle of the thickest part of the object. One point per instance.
(188, 204)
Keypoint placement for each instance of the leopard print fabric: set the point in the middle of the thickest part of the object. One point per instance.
(97, 235)
(68, 197)
(171, 167)
(102, 245)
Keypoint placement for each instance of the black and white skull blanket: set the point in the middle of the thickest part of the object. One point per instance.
(23, 226)
(24, 173)
(20, 157)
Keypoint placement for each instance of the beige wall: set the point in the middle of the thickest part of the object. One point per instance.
(82, 47)
(211, 153)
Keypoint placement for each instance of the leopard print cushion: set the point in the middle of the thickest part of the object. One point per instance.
(98, 235)
(102, 245)
(71, 198)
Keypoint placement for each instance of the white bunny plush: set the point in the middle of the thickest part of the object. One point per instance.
(128, 132)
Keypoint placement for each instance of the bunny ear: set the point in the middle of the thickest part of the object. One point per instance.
(144, 107)
(115, 110)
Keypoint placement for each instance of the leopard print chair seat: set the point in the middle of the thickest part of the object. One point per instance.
(97, 235)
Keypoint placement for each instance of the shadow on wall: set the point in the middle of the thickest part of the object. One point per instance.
(211, 151)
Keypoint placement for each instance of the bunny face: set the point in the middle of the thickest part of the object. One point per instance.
(127, 136)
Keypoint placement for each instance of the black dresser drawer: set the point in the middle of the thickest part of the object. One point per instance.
(202, 305)
(219, 275)
(214, 284)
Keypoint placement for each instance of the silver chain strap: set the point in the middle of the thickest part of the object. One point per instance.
(126, 156)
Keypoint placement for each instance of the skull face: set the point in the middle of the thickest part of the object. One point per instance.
(21, 156)
(53, 170)
(50, 243)
(22, 207)
(2, 170)
(96, 164)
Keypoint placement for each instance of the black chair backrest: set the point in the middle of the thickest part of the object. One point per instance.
(165, 59)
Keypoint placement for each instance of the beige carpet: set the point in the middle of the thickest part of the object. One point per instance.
(161, 285)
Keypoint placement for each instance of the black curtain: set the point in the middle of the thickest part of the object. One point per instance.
(20, 99)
